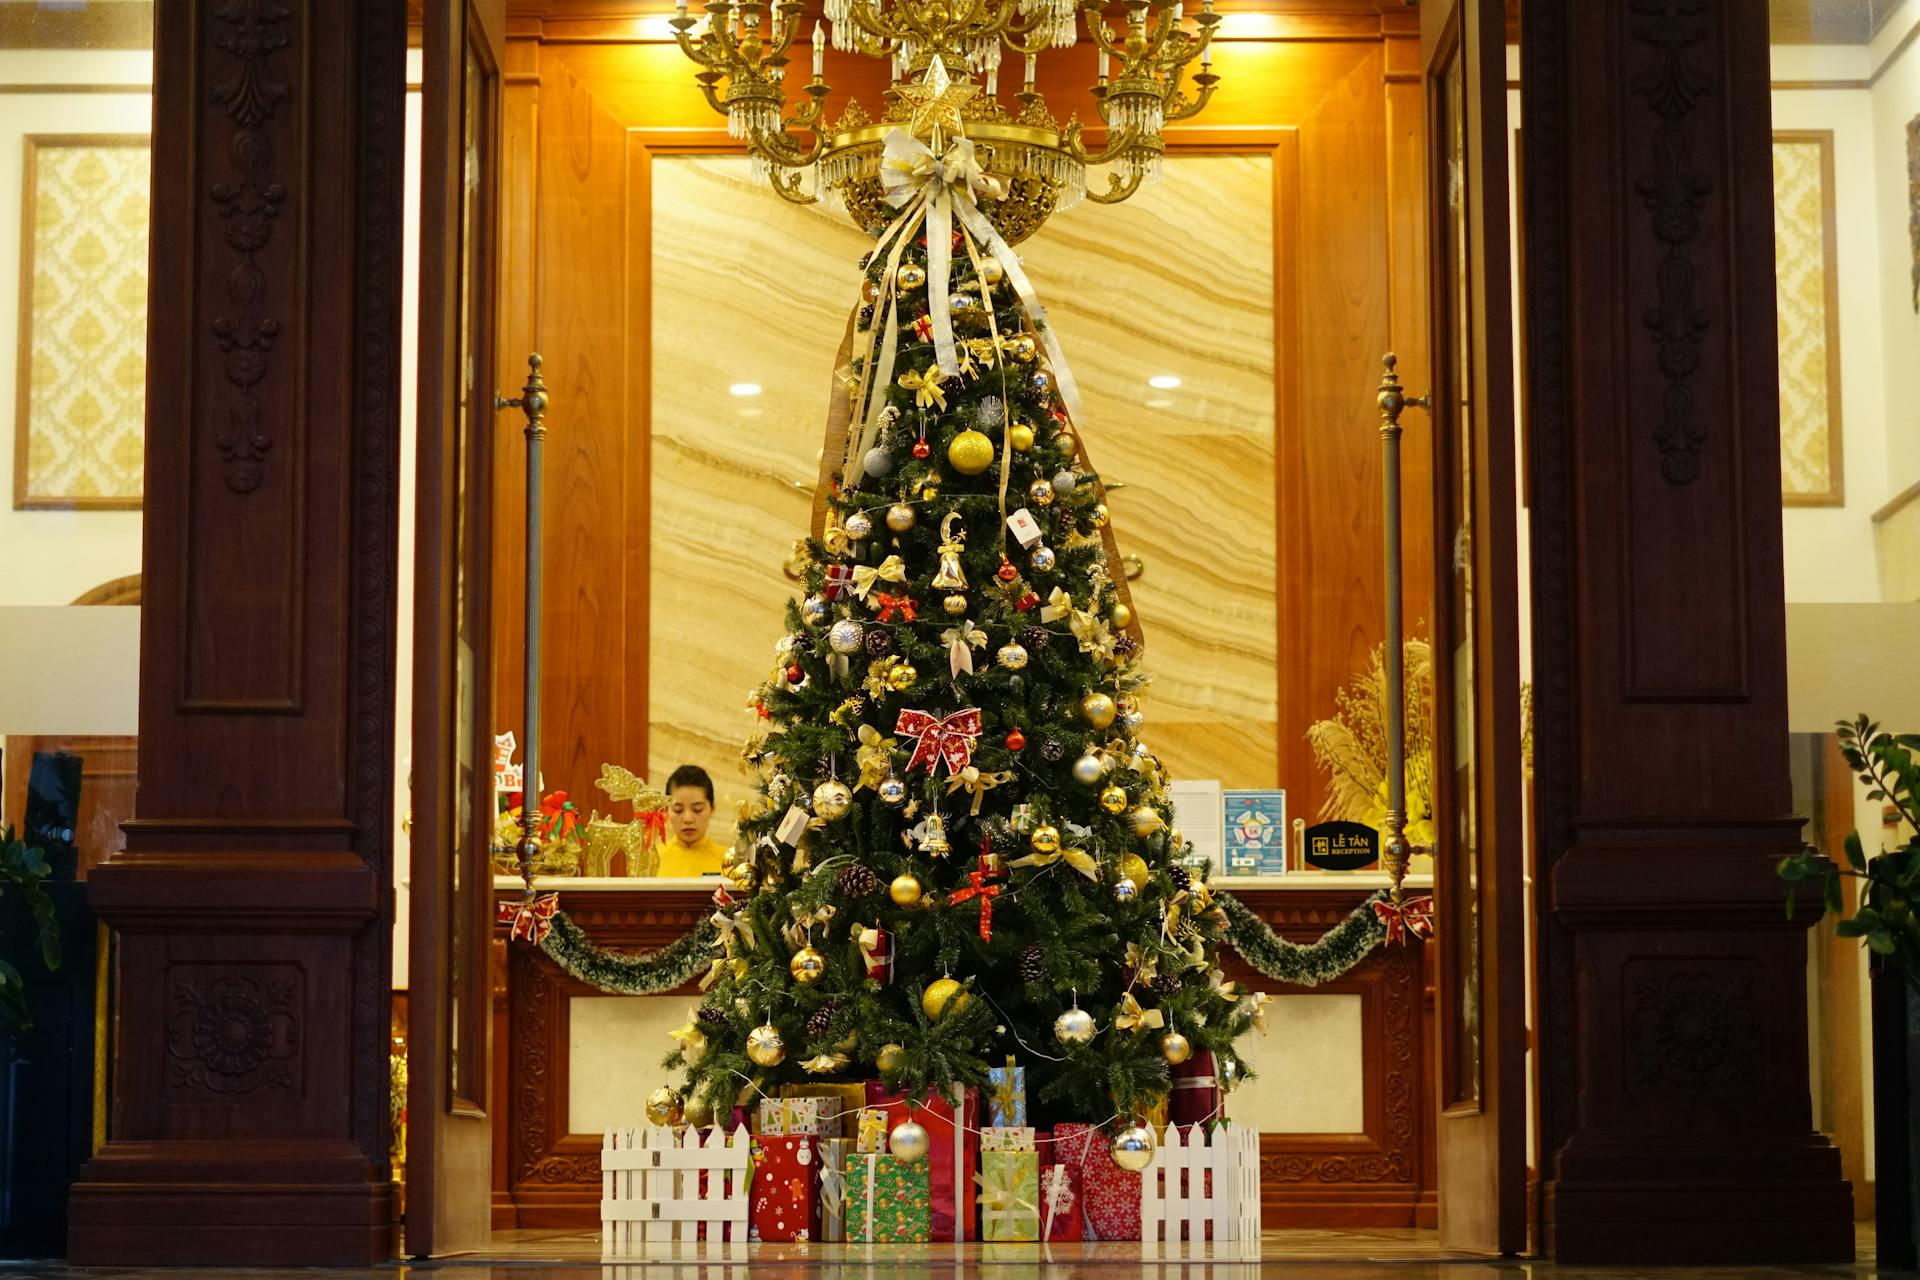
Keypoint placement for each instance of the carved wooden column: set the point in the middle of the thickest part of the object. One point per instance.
(252, 903)
(1675, 1117)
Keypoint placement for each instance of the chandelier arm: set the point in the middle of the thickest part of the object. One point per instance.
(720, 32)
(1162, 30)
(789, 190)
(1115, 149)
(1118, 189)
(1041, 41)
(1179, 108)
(1103, 38)
(713, 99)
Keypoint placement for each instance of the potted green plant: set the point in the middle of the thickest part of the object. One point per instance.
(1886, 923)
(22, 868)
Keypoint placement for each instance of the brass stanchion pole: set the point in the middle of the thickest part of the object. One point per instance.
(1393, 401)
(533, 402)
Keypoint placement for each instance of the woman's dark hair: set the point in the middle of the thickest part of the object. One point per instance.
(690, 775)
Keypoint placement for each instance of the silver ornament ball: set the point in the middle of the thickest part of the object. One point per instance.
(847, 636)
(814, 610)
(1132, 1148)
(1042, 559)
(878, 462)
(1074, 1027)
(1064, 481)
(1088, 769)
(908, 1142)
(860, 524)
(1125, 891)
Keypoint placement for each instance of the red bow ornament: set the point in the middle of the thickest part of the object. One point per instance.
(979, 888)
(531, 918)
(936, 738)
(1412, 917)
(889, 605)
(560, 817)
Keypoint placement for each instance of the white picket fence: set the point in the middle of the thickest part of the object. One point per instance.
(1179, 1202)
(660, 1186)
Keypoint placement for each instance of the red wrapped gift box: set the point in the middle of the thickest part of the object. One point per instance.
(785, 1172)
(1059, 1195)
(1195, 1098)
(952, 1156)
(1109, 1195)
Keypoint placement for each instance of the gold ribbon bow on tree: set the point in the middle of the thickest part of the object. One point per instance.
(867, 576)
(1258, 1019)
(874, 756)
(880, 674)
(1079, 859)
(938, 188)
(926, 388)
(690, 1033)
(1143, 964)
(823, 1063)
(800, 932)
(977, 783)
(718, 969)
(1129, 1016)
(961, 640)
(732, 925)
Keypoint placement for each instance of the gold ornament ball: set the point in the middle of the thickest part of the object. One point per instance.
(970, 453)
(1113, 799)
(1099, 515)
(908, 1142)
(890, 1058)
(1144, 821)
(808, 966)
(1175, 1048)
(901, 678)
(1128, 704)
(1045, 839)
(1122, 616)
(942, 997)
(954, 605)
(1022, 347)
(1020, 436)
(905, 891)
(1012, 656)
(1132, 1148)
(900, 517)
(664, 1106)
(1097, 710)
(740, 876)
(699, 1107)
(911, 275)
(1074, 1027)
(1064, 442)
(1132, 867)
(765, 1046)
(693, 1047)
(832, 799)
(869, 290)
(1040, 493)
(991, 271)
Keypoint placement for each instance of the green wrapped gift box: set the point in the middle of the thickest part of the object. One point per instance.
(888, 1201)
(1009, 1195)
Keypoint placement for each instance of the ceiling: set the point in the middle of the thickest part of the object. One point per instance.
(1827, 21)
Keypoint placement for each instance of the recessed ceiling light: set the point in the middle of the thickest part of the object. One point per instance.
(1164, 381)
(1159, 402)
(745, 389)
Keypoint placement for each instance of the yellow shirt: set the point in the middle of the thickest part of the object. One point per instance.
(701, 859)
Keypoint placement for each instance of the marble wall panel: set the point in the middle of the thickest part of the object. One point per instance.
(1177, 281)
(1309, 1068)
(613, 1048)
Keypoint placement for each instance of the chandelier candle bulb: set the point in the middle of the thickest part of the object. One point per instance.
(819, 53)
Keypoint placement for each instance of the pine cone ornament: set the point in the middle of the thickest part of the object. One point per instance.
(1166, 983)
(1033, 964)
(818, 1021)
(857, 880)
(879, 643)
(1182, 881)
(1053, 751)
(712, 1015)
(1035, 639)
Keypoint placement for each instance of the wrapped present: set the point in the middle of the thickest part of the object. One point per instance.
(1009, 1195)
(871, 1129)
(830, 1205)
(953, 1148)
(888, 1201)
(781, 1198)
(1007, 1138)
(1059, 1202)
(1109, 1195)
(1195, 1098)
(814, 1116)
(1006, 1098)
(841, 1116)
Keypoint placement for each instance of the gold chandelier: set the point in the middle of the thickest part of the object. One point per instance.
(1041, 165)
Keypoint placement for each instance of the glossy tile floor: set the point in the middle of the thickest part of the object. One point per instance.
(1286, 1255)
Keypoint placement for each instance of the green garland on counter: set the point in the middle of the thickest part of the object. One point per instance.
(1304, 964)
(649, 973)
(629, 973)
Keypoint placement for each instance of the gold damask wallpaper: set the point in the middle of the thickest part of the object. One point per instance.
(1803, 241)
(80, 416)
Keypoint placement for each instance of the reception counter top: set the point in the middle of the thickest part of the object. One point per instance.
(1343, 1095)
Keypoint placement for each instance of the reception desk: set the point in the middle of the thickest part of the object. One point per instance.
(1344, 1099)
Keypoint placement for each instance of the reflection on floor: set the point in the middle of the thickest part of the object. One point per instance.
(1288, 1255)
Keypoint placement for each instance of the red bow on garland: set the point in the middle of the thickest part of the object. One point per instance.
(532, 919)
(979, 888)
(938, 738)
(1414, 916)
(892, 604)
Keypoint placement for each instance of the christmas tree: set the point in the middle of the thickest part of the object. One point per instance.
(959, 848)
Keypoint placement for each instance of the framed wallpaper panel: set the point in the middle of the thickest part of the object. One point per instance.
(1808, 281)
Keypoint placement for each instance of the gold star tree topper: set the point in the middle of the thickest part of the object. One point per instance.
(937, 102)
